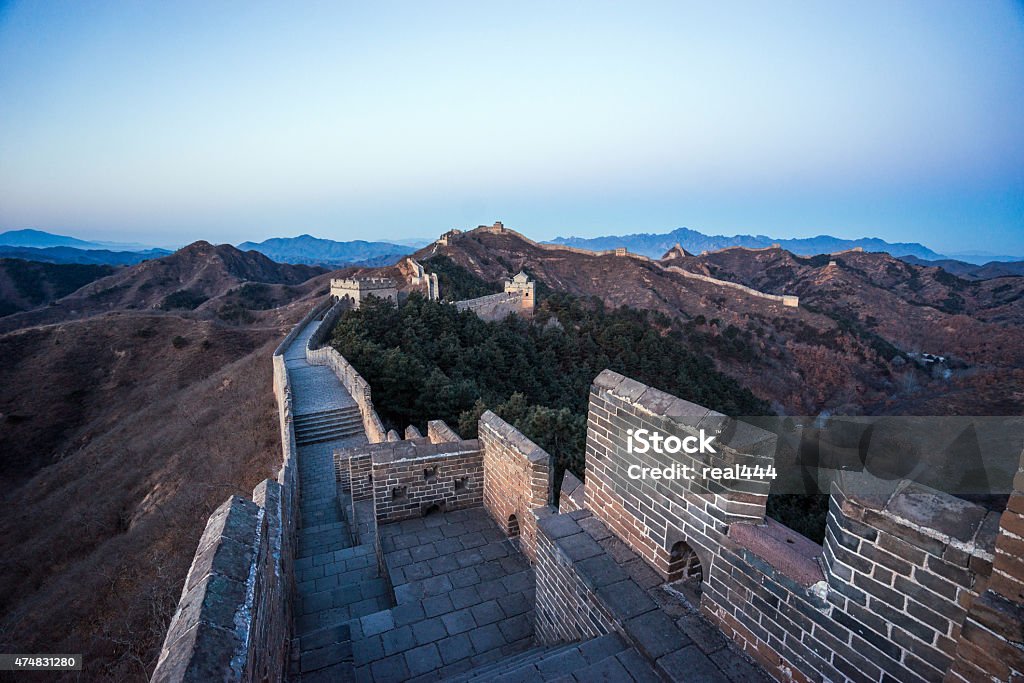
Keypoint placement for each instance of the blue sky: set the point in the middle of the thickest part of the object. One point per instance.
(169, 122)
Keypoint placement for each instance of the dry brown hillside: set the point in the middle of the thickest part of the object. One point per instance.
(191, 278)
(119, 433)
(847, 348)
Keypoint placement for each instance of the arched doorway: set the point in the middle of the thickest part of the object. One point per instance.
(513, 526)
(684, 565)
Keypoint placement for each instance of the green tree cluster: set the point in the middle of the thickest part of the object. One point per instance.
(426, 360)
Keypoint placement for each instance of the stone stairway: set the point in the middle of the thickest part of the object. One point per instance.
(606, 658)
(327, 425)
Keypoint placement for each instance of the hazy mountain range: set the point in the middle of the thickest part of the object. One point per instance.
(41, 239)
(655, 245)
(37, 245)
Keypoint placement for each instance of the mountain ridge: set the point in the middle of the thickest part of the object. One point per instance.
(654, 245)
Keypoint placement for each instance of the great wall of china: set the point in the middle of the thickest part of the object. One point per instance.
(372, 557)
(498, 228)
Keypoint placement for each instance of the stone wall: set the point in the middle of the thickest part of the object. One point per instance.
(209, 635)
(233, 621)
(318, 354)
(359, 473)
(493, 306)
(784, 299)
(439, 432)
(907, 587)
(517, 479)
(661, 519)
(571, 496)
(409, 479)
(991, 644)
(567, 607)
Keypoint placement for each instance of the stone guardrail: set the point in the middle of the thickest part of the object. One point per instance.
(319, 354)
(233, 620)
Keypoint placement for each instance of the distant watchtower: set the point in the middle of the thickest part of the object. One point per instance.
(521, 284)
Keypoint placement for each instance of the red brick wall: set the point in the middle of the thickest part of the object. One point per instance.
(517, 478)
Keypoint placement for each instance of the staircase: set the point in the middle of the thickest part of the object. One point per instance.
(327, 425)
(541, 663)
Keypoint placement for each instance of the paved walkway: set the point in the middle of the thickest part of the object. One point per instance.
(464, 598)
(335, 582)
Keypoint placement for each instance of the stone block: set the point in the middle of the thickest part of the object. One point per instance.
(655, 634)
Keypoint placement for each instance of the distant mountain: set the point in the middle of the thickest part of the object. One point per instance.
(696, 242)
(76, 255)
(40, 239)
(972, 271)
(199, 275)
(980, 258)
(316, 251)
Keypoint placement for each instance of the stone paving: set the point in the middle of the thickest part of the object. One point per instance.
(335, 582)
(464, 598)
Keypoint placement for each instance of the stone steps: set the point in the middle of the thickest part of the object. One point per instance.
(353, 417)
(322, 415)
(606, 657)
(524, 659)
(327, 425)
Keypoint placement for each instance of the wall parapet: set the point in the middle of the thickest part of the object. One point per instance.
(517, 479)
(201, 644)
(439, 432)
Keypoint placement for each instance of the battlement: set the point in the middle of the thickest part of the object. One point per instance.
(363, 284)
(357, 289)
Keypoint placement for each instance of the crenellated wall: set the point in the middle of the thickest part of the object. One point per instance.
(910, 584)
(410, 479)
(493, 306)
(655, 516)
(517, 479)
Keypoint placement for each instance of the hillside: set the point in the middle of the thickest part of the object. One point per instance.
(316, 251)
(848, 348)
(111, 465)
(654, 245)
(125, 422)
(194, 277)
(26, 284)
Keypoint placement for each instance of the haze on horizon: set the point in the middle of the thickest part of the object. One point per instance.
(169, 122)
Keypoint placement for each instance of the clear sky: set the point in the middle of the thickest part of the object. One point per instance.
(166, 122)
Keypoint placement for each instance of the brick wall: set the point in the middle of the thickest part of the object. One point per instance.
(494, 306)
(900, 591)
(991, 644)
(359, 474)
(567, 608)
(409, 477)
(517, 479)
(658, 519)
